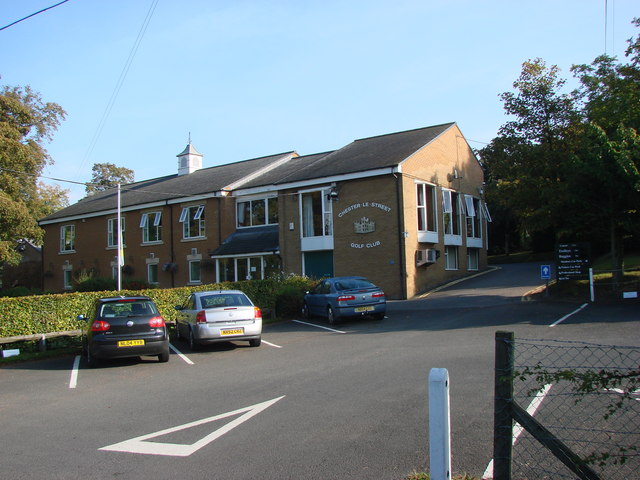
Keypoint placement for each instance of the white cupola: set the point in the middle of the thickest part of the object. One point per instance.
(189, 160)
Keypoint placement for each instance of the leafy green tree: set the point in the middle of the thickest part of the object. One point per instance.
(108, 175)
(608, 146)
(569, 163)
(526, 163)
(26, 123)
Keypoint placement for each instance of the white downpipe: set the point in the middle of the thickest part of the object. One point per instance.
(439, 425)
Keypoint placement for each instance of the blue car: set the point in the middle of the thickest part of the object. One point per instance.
(340, 297)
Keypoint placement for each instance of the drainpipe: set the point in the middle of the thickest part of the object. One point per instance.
(173, 283)
(401, 236)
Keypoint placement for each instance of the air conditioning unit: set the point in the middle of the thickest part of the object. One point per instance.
(428, 255)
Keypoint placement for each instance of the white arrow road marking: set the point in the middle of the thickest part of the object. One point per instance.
(141, 445)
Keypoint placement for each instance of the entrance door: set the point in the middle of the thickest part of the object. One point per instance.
(318, 264)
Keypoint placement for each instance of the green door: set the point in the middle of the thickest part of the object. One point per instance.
(318, 264)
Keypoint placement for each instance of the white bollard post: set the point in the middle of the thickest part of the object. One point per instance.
(439, 426)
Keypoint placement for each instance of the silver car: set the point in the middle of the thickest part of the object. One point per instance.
(218, 316)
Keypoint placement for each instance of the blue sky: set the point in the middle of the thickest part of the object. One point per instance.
(249, 78)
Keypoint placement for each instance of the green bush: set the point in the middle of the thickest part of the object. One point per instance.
(95, 284)
(58, 312)
(289, 300)
(19, 292)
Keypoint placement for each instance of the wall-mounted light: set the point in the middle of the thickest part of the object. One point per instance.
(333, 194)
(454, 176)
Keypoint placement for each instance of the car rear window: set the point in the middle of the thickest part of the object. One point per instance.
(127, 308)
(351, 283)
(225, 300)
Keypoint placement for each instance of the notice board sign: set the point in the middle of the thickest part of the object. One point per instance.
(572, 260)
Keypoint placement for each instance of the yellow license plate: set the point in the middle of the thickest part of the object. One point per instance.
(130, 343)
(363, 309)
(232, 331)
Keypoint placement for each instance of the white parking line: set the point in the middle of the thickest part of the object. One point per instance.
(517, 429)
(180, 354)
(318, 326)
(73, 382)
(271, 344)
(568, 315)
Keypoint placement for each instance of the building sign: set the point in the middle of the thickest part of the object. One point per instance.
(572, 260)
(355, 206)
(364, 225)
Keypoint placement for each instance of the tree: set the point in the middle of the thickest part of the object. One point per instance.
(608, 147)
(526, 163)
(107, 175)
(26, 123)
(570, 163)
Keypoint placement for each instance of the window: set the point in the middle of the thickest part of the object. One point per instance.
(67, 277)
(472, 207)
(192, 219)
(152, 273)
(451, 257)
(252, 213)
(247, 268)
(316, 215)
(194, 271)
(151, 225)
(473, 255)
(112, 228)
(68, 238)
(451, 212)
(426, 207)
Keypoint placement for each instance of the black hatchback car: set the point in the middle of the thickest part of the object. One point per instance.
(119, 327)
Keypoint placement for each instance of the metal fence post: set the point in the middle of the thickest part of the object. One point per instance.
(503, 401)
(439, 425)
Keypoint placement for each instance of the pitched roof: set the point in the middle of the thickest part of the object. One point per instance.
(250, 240)
(171, 187)
(362, 155)
(383, 151)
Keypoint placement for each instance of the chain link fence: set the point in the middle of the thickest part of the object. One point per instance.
(587, 398)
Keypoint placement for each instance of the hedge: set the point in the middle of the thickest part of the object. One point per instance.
(58, 312)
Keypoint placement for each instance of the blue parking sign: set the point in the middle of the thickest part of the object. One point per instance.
(545, 272)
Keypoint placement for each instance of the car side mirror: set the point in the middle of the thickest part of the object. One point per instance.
(82, 317)
(178, 307)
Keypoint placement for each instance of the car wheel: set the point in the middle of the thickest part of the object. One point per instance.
(193, 345)
(331, 315)
(255, 342)
(164, 357)
(305, 312)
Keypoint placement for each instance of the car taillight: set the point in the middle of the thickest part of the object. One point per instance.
(345, 298)
(100, 326)
(378, 295)
(156, 322)
(201, 317)
(257, 313)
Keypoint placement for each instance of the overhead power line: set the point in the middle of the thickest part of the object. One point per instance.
(34, 14)
(119, 83)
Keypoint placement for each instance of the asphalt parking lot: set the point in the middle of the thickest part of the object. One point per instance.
(314, 401)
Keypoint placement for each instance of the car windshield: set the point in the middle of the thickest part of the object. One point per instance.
(352, 283)
(225, 300)
(127, 309)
